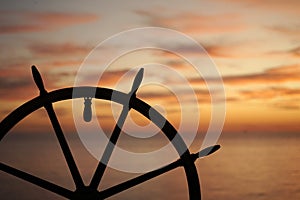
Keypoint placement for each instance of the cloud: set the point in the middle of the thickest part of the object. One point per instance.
(288, 7)
(273, 75)
(195, 23)
(292, 52)
(288, 104)
(280, 74)
(18, 84)
(270, 93)
(289, 73)
(286, 29)
(112, 77)
(295, 51)
(13, 65)
(16, 87)
(184, 95)
(27, 22)
(109, 78)
(226, 49)
(147, 93)
(245, 49)
(57, 61)
(58, 50)
(9, 82)
(278, 97)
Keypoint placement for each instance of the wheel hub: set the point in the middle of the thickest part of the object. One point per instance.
(86, 193)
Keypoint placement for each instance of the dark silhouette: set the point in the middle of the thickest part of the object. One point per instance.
(129, 101)
(87, 112)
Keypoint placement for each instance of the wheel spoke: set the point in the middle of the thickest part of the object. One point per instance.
(108, 150)
(37, 181)
(152, 174)
(58, 131)
(65, 147)
(139, 179)
(116, 132)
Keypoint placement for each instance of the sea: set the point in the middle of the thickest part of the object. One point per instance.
(249, 166)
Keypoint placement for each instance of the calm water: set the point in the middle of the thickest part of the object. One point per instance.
(247, 167)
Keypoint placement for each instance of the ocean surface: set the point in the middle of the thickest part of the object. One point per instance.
(248, 166)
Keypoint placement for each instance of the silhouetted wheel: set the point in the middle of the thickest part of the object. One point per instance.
(129, 101)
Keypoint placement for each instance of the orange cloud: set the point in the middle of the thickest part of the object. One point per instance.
(25, 22)
(293, 52)
(110, 78)
(290, 31)
(290, 73)
(230, 51)
(270, 93)
(289, 104)
(58, 50)
(279, 97)
(16, 85)
(196, 23)
(288, 7)
(273, 75)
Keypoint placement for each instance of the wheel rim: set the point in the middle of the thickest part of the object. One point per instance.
(106, 94)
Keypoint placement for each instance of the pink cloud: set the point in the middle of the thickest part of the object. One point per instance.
(25, 22)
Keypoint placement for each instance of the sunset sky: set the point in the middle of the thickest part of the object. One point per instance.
(254, 44)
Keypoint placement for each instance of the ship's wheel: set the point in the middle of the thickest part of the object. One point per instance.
(128, 101)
